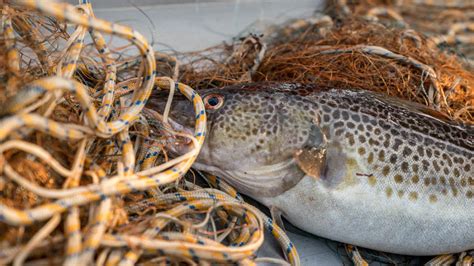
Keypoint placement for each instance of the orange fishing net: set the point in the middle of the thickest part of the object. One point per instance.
(347, 52)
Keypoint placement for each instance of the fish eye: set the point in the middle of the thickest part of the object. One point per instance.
(213, 101)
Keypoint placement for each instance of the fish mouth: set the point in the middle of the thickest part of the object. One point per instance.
(179, 138)
(182, 136)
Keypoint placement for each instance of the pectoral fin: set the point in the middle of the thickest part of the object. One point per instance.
(310, 161)
(277, 216)
(311, 158)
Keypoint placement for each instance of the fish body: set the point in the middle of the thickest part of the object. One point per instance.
(349, 165)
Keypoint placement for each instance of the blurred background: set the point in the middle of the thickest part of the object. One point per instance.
(189, 25)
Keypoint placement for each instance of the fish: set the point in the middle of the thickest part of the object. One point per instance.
(350, 165)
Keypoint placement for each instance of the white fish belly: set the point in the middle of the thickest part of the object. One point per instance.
(367, 218)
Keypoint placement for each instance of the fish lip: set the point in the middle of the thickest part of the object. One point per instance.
(177, 147)
(168, 129)
(179, 128)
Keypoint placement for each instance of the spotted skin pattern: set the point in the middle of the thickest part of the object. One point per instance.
(405, 153)
(396, 176)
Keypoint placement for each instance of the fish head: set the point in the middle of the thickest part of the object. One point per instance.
(253, 133)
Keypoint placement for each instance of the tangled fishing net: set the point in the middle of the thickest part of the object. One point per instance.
(348, 50)
(85, 176)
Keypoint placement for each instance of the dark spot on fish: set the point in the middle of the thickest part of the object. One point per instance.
(400, 193)
(405, 167)
(393, 158)
(442, 179)
(332, 104)
(365, 118)
(406, 151)
(413, 196)
(455, 191)
(446, 171)
(456, 172)
(373, 142)
(427, 181)
(338, 124)
(370, 159)
(429, 153)
(447, 159)
(440, 145)
(429, 142)
(386, 126)
(469, 194)
(394, 132)
(326, 109)
(451, 181)
(351, 140)
(355, 117)
(345, 115)
(382, 155)
(386, 170)
(398, 178)
(326, 118)
(425, 164)
(396, 144)
(386, 143)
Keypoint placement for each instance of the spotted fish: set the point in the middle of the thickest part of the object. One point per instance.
(349, 165)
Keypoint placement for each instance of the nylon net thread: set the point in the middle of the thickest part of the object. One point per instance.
(121, 200)
(359, 46)
(84, 172)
